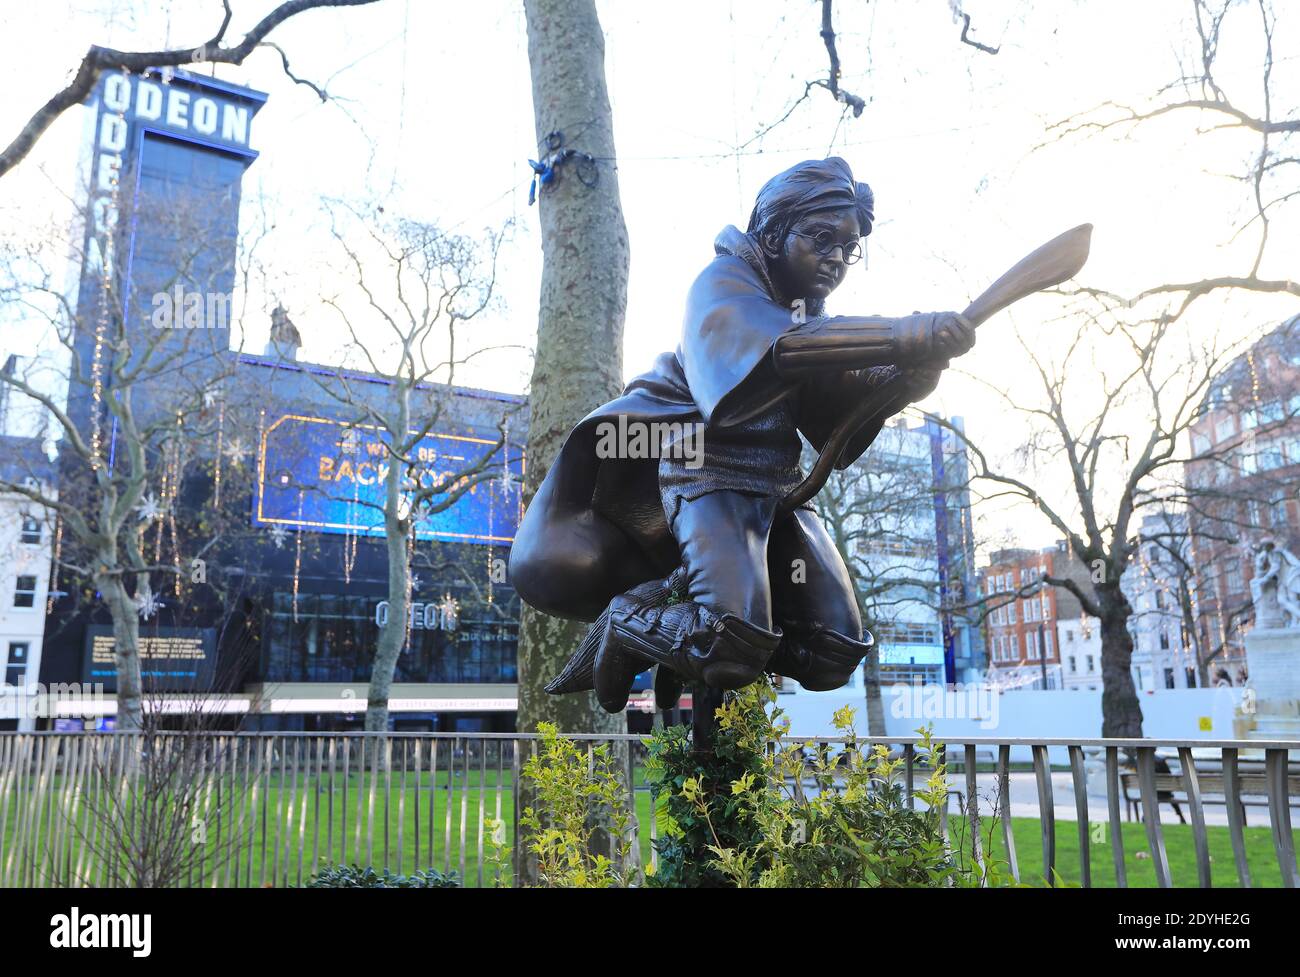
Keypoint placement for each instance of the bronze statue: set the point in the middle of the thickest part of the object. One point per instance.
(710, 564)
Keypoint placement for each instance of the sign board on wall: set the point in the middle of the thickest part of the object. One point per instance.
(171, 659)
(325, 475)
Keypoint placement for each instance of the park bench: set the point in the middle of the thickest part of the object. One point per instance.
(1170, 788)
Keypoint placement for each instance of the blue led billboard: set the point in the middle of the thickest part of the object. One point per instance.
(324, 475)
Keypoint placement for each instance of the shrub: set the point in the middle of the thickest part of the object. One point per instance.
(581, 828)
(680, 779)
(354, 877)
(742, 817)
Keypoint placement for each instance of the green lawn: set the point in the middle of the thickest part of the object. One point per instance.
(1140, 872)
(291, 826)
(295, 825)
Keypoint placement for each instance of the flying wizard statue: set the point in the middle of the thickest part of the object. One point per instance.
(686, 559)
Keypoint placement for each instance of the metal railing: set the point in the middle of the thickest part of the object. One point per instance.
(270, 809)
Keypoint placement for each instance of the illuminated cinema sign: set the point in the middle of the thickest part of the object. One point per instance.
(324, 475)
(202, 111)
(175, 102)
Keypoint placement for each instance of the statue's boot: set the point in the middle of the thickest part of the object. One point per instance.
(818, 658)
(722, 651)
(577, 674)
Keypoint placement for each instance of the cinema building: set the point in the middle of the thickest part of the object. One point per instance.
(274, 517)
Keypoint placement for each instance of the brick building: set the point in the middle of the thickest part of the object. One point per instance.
(1027, 621)
(1242, 485)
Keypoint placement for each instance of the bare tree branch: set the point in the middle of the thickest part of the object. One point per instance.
(100, 59)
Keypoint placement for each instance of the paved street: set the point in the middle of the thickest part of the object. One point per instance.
(1024, 801)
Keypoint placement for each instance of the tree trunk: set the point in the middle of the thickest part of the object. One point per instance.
(126, 652)
(1121, 715)
(875, 698)
(392, 636)
(579, 360)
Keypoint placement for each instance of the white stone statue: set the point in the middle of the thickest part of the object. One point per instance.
(1275, 586)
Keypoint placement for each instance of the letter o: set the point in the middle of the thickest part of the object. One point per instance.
(117, 92)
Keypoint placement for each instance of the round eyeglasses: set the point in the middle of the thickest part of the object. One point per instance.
(824, 243)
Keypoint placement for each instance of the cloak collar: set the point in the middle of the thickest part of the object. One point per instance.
(733, 241)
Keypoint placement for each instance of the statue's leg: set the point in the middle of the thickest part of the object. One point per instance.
(723, 538)
(720, 636)
(720, 576)
(569, 562)
(815, 606)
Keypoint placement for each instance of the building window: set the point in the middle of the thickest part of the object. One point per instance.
(1048, 644)
(25, 592)
(1011, 613)
(1224, 429)
(1031, 639)
(1254, 515)
(1232, 579)
(1047, 608)
(31, 532)
(1169, 678)
(1279, 509)
(908, 633)
(1191, 678)
(1164, 642)
(1091, 664)
(1073, 663)
(334, 635)
(1270, 457)
(16, 666)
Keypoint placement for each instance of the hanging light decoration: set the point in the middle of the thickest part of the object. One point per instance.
(108, 261)
(54, 582)
(297, 558)
(350, 535)
(221, 432)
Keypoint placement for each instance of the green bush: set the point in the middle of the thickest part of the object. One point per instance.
(581, 829)
(680, 778)
(741, 816)
(354, 877)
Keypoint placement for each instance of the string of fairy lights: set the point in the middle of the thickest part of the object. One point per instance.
(108, 258)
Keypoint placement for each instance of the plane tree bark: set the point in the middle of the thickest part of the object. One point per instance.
(579, 358)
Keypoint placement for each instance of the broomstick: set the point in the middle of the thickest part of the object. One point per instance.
(1058, 259)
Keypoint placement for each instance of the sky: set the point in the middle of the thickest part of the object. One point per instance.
(431, 116)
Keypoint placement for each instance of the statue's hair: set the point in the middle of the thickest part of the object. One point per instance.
(808, 187)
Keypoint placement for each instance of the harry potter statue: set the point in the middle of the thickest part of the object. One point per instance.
(702, 562)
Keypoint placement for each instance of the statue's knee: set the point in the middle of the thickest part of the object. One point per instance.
(547, 573)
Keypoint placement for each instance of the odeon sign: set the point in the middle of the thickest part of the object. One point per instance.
(193, 109)
(172, 106)
(442, 616)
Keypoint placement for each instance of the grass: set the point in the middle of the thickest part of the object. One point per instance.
(1140, 871)
(296, 825)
